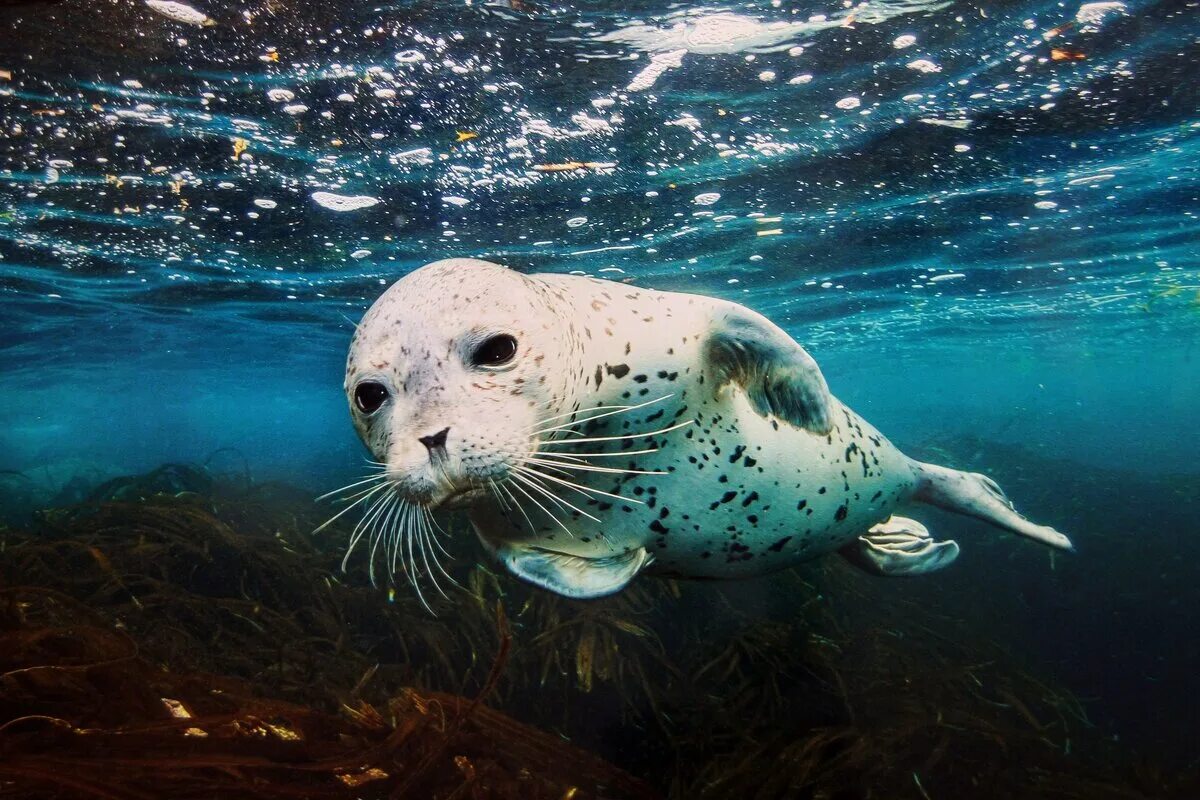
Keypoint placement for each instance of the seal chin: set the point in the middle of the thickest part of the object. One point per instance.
(435, 489)
(452, 498)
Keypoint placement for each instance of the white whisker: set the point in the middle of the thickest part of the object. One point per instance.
(591, 468)
(583, 488)
(576, 411)
(366, 524)
(562, 472)
(626, 436)
(364, 496)
(515, 502)
(562, 503)
(560, 454)
(582, 456)
(534, 500)
(392, 524)
(617, 410)
(528, 480)
(530, 471)
(361, 493)
(427, 552)
(402, 532)
(357, 533)
(409, 535)
(370, 522)
(434, 531)
(496, 493)
(366, 479)
(419, 535)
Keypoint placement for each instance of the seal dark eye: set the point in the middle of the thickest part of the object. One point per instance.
(369, 396)
(495, 351)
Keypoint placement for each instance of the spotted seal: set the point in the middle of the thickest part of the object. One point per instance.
(594, 430)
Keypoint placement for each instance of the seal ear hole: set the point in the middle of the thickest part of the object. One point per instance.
(495, 351)
(369, 396)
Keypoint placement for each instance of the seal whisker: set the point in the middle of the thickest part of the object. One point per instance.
(420, 533)
(376, 512)
(430, 540)
(533, 471)
(365, 495)
(377, 533)
(409, 535)
(558, 454)
(500, 500)
(391, 527)
(583, 488)
(358, 531)
(591, 468)
(576, 411)
(515, 502)
(534, 500)
(363, 492)
(435, 532)
(531, 480)
(658, 432)
(383, 529)
(616, 410)
(402, 530)
(552, 468)
(366, 479)
(563, 503)
(582, 456)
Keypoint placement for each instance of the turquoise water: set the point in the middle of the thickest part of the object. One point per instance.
(981, 219)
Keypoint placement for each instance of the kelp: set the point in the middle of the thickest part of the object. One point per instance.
(185, 634)
(85, 715)
(886, 706)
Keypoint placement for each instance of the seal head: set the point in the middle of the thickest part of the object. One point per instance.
(446, 377)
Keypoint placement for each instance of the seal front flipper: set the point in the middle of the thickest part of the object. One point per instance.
(900, 547)
(574, 576)
(779, 377)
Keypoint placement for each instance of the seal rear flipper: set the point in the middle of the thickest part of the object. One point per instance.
(574, 576)
(900, 547)
(978, 496)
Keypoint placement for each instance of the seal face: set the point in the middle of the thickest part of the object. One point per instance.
(447, 374)
(594, 430)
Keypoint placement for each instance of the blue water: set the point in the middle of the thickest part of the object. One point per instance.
(990, 232)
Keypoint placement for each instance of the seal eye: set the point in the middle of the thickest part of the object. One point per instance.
(495, 351)
(369, 396)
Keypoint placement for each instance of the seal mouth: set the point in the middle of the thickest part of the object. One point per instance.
(457, 498)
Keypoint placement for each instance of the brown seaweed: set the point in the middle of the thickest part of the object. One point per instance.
(185, 634)
(85, 715)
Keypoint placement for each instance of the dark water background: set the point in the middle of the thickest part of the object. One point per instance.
(151, 311)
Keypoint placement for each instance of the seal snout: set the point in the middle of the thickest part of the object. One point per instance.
(435, 441)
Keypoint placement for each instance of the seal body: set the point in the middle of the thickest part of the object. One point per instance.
(635, 430)
(740, 493)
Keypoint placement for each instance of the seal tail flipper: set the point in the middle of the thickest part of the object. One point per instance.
(978, 496)
(900, 547)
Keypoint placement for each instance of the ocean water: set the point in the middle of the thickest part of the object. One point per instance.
(980, 218)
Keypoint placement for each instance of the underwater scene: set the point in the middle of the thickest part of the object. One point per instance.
(541, 399)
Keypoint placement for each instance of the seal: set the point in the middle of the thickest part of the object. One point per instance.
(594, 430)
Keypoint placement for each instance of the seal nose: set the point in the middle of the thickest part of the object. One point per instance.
(435, 441)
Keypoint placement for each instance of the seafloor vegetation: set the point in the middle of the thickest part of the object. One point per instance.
(182, 634)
